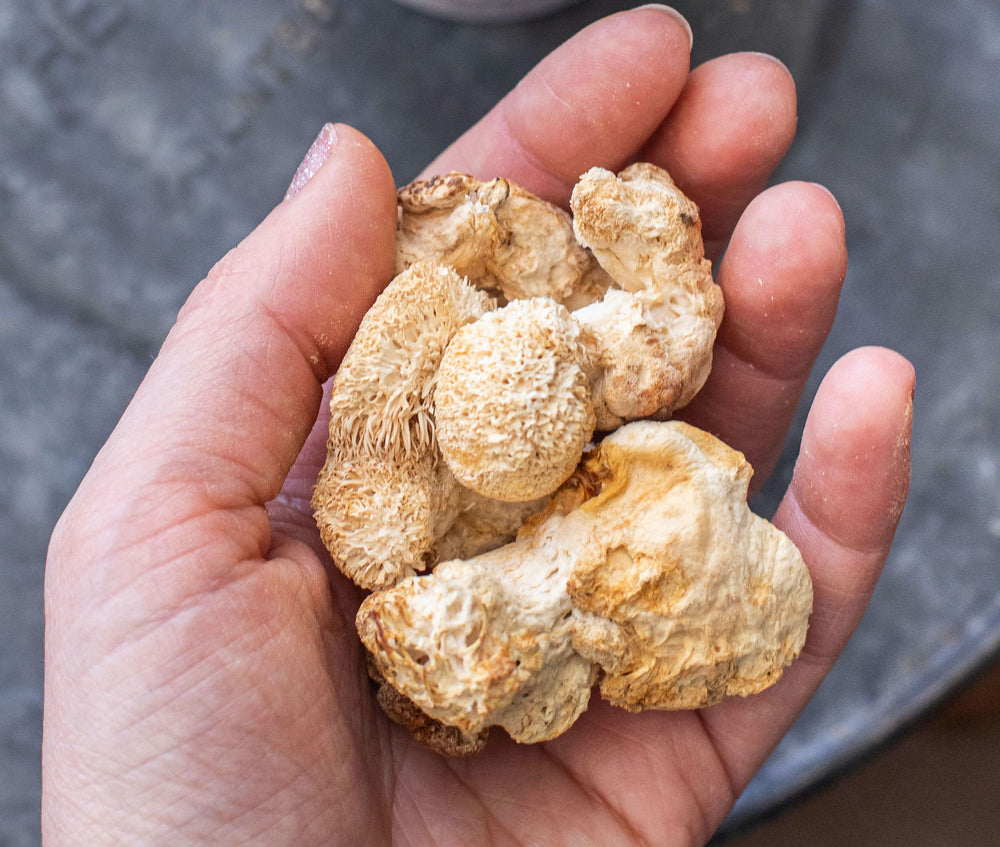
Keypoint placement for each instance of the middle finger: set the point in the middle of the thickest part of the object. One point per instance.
(781, 278)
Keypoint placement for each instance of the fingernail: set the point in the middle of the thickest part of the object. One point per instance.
(670, 10)
(828, 192)
(317, 154)
(771, 57)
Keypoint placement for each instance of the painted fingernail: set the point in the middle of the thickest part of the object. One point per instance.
(317, 154)
(670, 10)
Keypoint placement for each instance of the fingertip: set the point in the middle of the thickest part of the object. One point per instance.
(367, 158)
(595, 100)
(853, 472)
(873, 362)
(779, 72)
(782, 275)
(336, 239)
(794, 223)
(829, 198)
(343, 159)
(673, 14)
(877, 383)
(728, 131)
(768, 106)
(882, 382)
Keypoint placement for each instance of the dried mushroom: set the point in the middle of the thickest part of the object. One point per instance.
(480, 374)
(648, 572)
(656, 329)
(511, 333)
(384, 502)
(503, 239)
(513, 403)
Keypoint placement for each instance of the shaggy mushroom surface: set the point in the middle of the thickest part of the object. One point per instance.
(513, 565)
(647, 572)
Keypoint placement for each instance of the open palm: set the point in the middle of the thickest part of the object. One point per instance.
(204, 682)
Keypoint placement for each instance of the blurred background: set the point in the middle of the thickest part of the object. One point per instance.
(140, 141)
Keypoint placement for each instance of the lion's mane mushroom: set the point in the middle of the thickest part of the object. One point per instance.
(504, 239)
(657, 328)
(508, 398)
(512, 404)
(645, 348)
(647, 571)
(384, 502)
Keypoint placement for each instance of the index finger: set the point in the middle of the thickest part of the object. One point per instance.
(620, 90)
(595, 100)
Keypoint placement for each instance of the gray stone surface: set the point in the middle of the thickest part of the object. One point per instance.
(138, 142)
(908, 138)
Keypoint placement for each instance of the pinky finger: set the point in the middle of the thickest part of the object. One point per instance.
(849, 487)
(841, 510)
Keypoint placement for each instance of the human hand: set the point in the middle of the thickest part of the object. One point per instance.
(203, 678)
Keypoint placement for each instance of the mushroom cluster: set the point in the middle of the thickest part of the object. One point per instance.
(512, 563)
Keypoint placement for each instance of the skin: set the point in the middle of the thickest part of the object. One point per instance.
(203, 680)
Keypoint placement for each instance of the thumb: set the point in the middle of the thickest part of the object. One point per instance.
(224, 409)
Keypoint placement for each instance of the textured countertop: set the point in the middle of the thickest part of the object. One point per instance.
(138, 142)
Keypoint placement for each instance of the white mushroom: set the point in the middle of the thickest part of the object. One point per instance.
(512, 404)
(657, 329)
(383, 500)
(514, 419)
(648, 571)
(502, 238)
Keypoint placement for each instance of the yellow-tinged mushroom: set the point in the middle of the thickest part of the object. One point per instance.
(384, 502)
(656, 329)
(512, 403)
(647, 571)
